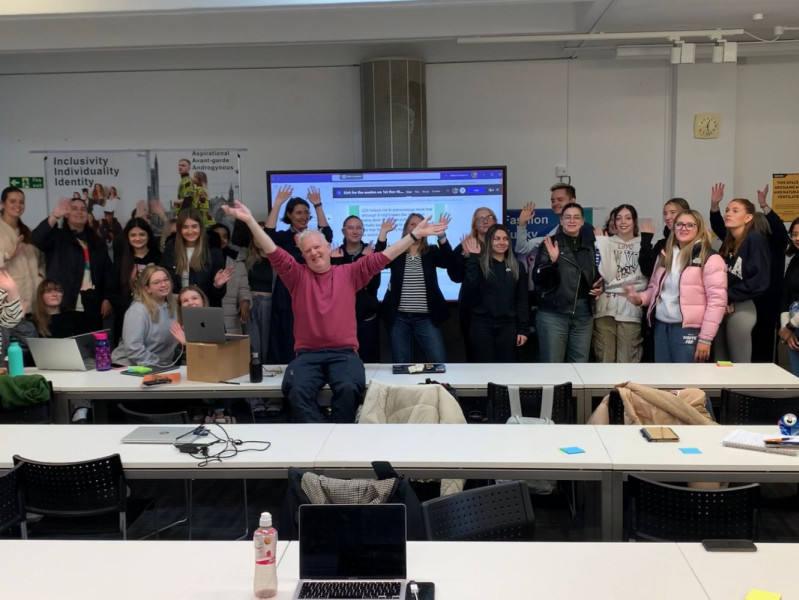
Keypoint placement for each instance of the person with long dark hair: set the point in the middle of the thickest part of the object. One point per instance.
(496, 283)
(48, 317)
(617, 322)
(190, 260)
(414, 306)
(747, 256)
(78, 259)
(18, 256)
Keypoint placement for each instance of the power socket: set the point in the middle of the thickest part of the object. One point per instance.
(561, 171)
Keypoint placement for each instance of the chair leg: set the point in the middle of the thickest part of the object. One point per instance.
(246, 514)
(187, 485)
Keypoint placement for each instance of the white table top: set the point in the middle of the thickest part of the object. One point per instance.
(98, 570)
(628, 450)
(292, 445)
(472, 375)
(517, 570)
(464, 446)
(739, 375)
(730, 575)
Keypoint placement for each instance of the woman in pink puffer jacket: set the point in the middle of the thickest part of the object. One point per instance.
(687, 293)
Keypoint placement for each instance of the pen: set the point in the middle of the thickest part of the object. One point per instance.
(230, 382)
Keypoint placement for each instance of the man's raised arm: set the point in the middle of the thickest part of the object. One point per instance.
(259, 236)
(423, 229)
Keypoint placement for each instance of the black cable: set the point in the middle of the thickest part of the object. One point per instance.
(229, 449)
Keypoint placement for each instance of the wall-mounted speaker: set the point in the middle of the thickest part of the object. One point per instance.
(394, 113)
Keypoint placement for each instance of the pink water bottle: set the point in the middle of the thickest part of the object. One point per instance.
(265, 538)
(102, 351)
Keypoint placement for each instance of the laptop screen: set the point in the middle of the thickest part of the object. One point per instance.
(352, 541)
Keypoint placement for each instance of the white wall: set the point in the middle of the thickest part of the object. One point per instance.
(612, 123)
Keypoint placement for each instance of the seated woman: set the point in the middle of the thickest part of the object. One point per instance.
(190, 295)
(48, 317)
(146, 334)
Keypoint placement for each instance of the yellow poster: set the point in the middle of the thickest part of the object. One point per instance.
(785, 195)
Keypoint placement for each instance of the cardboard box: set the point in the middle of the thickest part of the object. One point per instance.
(218, 362)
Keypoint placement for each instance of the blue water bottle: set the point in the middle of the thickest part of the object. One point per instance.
(16, 365)
(102, 351)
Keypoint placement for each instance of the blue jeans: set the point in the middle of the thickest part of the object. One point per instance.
(675, 343)
(565, 337)
(412, 325)
(794, 356)
(311, 370)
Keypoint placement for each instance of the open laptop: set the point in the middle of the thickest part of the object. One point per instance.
(58, 354)
(346, 546)
(206, 326)
(86, 345)
(163, 434)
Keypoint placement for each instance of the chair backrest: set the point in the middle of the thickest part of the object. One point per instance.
(663, 512)
(138, 418)
(615, 408)
(12, 509)
(741, 408)
(491, 513)
(39, 413)
(75, 489)
(564, 406)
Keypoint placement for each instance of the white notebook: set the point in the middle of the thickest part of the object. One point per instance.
(751, 440)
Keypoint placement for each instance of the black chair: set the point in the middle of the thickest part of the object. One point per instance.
(12, 508)
(742, 408)
(499, 512)
(39, 413)
(615, 408)
(87, 497)
(564, 407)
(664, 512)
(138, 418)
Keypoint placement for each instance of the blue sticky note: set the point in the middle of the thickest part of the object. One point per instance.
(573, 450)
(690, 451)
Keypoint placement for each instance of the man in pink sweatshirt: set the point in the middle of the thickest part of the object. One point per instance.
(325, 328)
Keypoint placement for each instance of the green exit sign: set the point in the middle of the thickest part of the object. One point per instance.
(33, 183)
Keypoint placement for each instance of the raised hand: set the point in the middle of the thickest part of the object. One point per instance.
(646, 226)
(12, 252)
(552, 249)
(284, 192)
(445, 218)
(762, 196)
(386, 226)
(8, 284)
(62, 208)
(238, 210)
(223, 276)
(426, 228)
(313, 196)
(470, 245)
(142, 212)
(716, 196)
(527, 213)
(157, 208)
(176, 329)
(599, 232)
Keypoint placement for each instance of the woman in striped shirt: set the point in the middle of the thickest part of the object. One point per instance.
(414, 306)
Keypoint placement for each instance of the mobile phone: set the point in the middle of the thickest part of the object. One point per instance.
(729, 545)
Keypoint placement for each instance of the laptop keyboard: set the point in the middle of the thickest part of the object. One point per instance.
(350, 589)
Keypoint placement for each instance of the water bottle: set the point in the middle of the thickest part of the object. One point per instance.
(16, 365)
(256, 370)
(102, 351)
(265, 539)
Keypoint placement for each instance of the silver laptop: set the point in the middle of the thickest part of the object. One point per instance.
(86, 343)
(161, 434)
(58, 354)
(206, 326)
(352, 551)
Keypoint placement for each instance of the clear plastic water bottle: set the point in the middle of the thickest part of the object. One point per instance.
(256, 369)
(16, 365)
(265, 539)
(102, 351)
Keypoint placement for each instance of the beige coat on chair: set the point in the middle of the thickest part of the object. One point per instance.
(644, 405)
(386, 403)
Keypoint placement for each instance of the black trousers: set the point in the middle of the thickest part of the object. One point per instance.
(491, 341)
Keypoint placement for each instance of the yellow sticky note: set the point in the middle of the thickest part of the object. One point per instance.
(762, 595)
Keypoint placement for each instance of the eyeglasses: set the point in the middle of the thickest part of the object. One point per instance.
(353, 228)
(572, 218)
(793, 235)
(159, 281)
(487, 219)
(688, 226)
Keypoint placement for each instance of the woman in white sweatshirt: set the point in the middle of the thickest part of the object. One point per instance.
(617, 322)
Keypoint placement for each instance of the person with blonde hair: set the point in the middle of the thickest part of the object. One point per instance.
(146, 334)
(687, 294)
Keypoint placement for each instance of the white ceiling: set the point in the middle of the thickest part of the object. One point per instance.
(324, 29)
